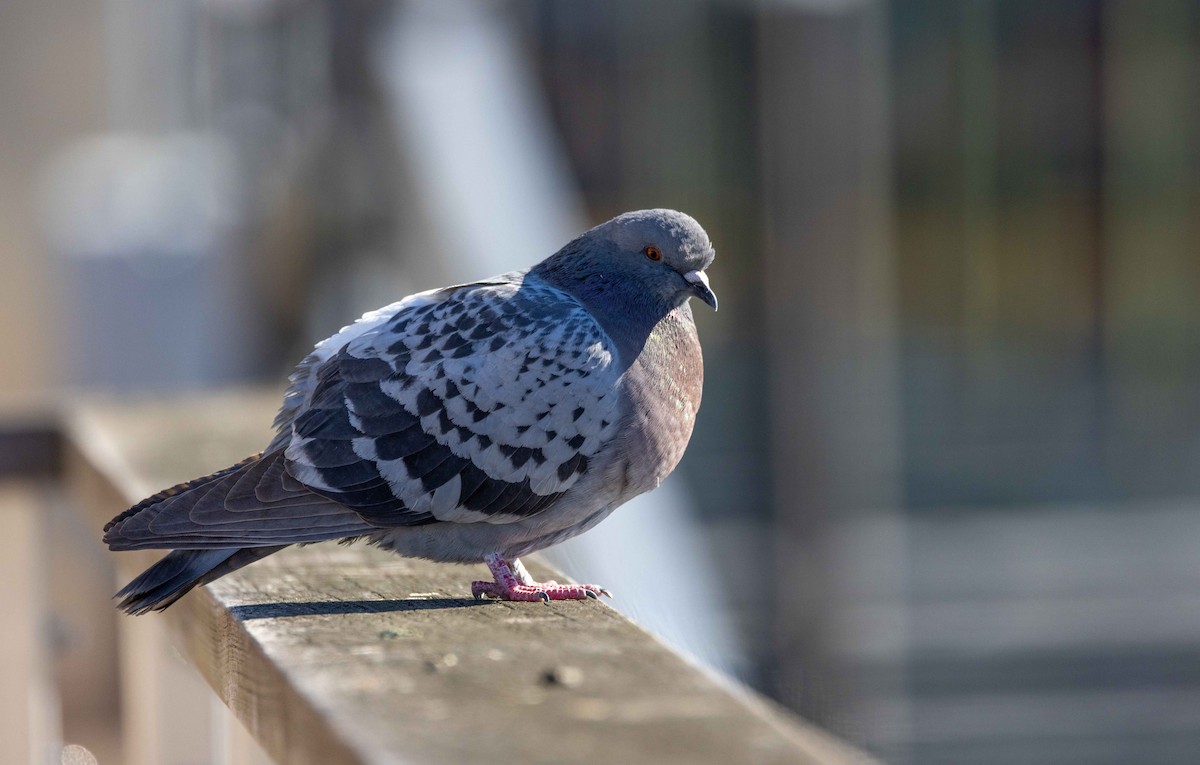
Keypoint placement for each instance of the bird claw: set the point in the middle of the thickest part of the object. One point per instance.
(484, 590)
(514, 583)
(544, 592)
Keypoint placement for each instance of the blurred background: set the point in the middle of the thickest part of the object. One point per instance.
(942, 495)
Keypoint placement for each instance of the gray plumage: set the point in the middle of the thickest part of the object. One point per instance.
(499, 416)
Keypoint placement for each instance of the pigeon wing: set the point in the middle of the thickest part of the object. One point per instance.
(478, 403)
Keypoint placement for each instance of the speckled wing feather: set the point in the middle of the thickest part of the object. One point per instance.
(483, 402)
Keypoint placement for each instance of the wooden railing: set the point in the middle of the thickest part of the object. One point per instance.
(330, 654)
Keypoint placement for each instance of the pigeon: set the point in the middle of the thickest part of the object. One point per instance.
(478, 422)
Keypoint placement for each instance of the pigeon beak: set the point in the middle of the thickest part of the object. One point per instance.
(699, 282)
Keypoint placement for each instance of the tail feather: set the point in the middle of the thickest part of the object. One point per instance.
(175, 575)
(168, 580)
(219, 523)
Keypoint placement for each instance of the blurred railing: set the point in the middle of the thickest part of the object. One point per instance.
(323, 654)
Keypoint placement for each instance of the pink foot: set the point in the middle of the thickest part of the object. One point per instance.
(513, 582)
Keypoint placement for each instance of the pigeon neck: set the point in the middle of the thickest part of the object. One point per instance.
(624, 309)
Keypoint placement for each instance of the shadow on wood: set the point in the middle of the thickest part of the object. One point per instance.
(326, 607)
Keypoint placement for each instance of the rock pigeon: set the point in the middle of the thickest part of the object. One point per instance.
(478, 422)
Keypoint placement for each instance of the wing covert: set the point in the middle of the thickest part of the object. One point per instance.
(483, 402)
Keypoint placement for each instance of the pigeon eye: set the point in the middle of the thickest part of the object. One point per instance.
(653, 253)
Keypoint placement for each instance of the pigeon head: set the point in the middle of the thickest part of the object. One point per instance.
(641, 265)
(667, 250)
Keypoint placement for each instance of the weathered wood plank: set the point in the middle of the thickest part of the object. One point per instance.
(29, 727)
(334, 654)
(167, 713)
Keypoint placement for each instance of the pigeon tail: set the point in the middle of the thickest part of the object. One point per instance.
(219, 523)
(175, 575)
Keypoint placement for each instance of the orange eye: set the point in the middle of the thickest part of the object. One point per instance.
(653, 253)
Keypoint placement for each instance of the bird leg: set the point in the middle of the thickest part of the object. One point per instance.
(513, 582)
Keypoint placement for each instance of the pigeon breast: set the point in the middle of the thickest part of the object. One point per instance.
(663, 387)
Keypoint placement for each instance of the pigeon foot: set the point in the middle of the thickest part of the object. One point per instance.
(513, 582)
